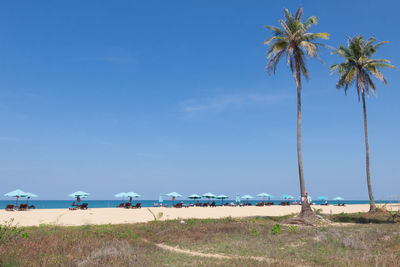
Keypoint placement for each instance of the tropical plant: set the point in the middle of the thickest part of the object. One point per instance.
(294, 40)
(276, 229)
(358, 68)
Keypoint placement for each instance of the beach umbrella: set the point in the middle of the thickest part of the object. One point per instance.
(209, 195)
(28, 195)
(174, 195)
(323, 198)
(194, 196)
(338, 198)
(286, 196)
(17, 194)
(122, 195)
(237, 198)
(79, 194)
(132, 195)
(222, 197)
(247, 197)
(265, 195)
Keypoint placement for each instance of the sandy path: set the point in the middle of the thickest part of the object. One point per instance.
(120, 215)
(215, 256)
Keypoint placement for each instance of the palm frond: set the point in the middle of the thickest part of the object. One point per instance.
(358, 66)
(294, 39)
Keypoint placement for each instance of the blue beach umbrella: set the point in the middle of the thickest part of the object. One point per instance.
(79, 194)
(209, 195)
(338, 198)
(222, 197)
(247, 197)
(174, 195)
(286, 196)
(122, 195)
(17, 194)
(323, 198)
(194, 196)
(265, 195)
(132, 195)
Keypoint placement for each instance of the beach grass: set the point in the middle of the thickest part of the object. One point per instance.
(343, 244)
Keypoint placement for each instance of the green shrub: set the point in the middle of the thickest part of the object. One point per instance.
(276, 229)
(292, 228)
(25, 235)
(255, 232)
(8, 231)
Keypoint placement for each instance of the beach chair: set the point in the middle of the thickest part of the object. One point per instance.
(287, 203)
(84, 206)
(128, 205)
(32, 207)
(10, 208)
(121, 205)
(283, 203)
(213, 204)
(137, 206)
(23, 207)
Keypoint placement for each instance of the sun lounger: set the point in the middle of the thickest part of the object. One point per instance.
(213, 204)
(32, 207)
(84, 206)
(121, 205)
(23, 207)
(128, 205)
(10, 207)
(137, 206)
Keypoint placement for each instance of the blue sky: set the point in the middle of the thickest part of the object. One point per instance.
(160, 96)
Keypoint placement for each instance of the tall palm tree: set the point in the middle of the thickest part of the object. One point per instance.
(358, 68)
(294, 40)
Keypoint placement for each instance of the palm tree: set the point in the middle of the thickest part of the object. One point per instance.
(358, 68)
(294, 40)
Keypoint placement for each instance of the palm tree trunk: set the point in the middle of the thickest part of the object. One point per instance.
(372, 207)
(306, 210)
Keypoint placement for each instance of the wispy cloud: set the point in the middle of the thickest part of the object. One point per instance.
(223, 102)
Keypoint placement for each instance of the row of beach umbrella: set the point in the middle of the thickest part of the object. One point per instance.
(81, 194)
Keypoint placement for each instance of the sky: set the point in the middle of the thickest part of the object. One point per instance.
(160, 96)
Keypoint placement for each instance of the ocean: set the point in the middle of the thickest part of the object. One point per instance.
(64, 204)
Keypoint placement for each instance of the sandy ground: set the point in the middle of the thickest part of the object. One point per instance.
(121, 215)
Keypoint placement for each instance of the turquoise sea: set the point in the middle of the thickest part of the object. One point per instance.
(63, 204)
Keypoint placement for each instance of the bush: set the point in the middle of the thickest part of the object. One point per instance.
(276, 229)
(8, 231)
(292, 228)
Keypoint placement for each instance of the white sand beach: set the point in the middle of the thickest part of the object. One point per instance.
(121, 215)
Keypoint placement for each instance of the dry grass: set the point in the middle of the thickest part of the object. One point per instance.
(123, 245)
